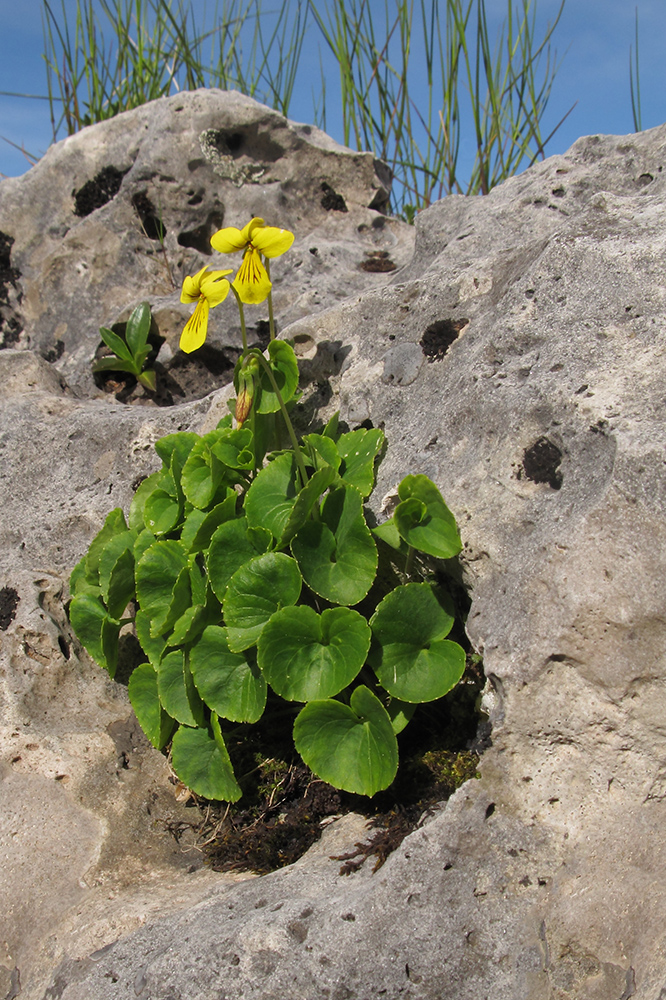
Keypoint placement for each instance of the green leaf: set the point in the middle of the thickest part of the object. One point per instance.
(138, 328)
(114, 524)
(144, 540)
(352, 747)
(95, 630)
(400, 713)
(284, 366)
(144, 489)
(200, 526)
(201, 761)
(162, 512)
(410, 655)
(179, 698)
(189, 626)
(81, 580)
(116, 344)
(321, 451)
(157, 571)
(148, 378)
(179, 444)
(144, 697)
(358, 450)
(202, 475)
(115, 365)
(181, 599)
(231, 685)
(331, 428)
(153, 646)
(305, 656)
(231, 448)
(272, 495)
(116, 572)
(305, 501)
(337, 555)
(424, 520)
(388, 533)
(229, 549)
(255, 592)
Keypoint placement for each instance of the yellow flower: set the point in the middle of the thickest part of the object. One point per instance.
(252, 282)
(207, 289)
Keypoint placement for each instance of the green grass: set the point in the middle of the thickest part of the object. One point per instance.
(114, 55)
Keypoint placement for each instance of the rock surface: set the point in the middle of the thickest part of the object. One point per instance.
(518, 360)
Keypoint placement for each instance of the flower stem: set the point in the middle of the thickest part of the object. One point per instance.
(292, 436)
(271, 318)
(409, 563)
(242, 319)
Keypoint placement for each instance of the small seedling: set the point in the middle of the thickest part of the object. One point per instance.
(132, 350)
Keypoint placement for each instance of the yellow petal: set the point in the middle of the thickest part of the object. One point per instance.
(196, 327)
(250, 230)
(252, 283)
(214, 287)
(272, 242)
(192, 287)
(228, 240)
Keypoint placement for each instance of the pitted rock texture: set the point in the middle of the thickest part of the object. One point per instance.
(518, 360)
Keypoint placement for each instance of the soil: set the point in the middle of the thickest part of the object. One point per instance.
(285, 806)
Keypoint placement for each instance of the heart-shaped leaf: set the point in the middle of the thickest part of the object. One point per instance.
(305, 656)
(142, 689)
(409, 654)
(337, 555)
(202, 475)
(116, 572)
(233, 447)
(201, 760)
(95, 629)
(271, 497)
(113, 525)
(200, 526)
(176, 690)
(358, 451)
(255, 592)
(424, 520)
(144, 489)
(231, 685)
(284, 366)
(153, 647)
(352, 747)
(229, 549)
(157, 572)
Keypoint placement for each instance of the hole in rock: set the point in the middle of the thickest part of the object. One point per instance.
(378, 261)
(9, 599)
(152, 224)
(250, 142)
(8, 275)
(332, 201)
(439, 336)
(54, 353)
(541, 463)
(645, 179)
(199, 238)
(490, 810)
(95, 193)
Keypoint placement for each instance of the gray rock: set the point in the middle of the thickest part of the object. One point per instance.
(517, 360)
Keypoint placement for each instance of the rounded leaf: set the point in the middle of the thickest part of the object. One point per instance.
(201, 761)
(229, 549)
(337, 554)
(305, 656)
(409, 654)
(178, 697)
(424, 520)
(352, 747)
(233, 687)
(155, 722)
(255, 592)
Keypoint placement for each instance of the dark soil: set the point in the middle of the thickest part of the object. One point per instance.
(285, 806)
(9, 599)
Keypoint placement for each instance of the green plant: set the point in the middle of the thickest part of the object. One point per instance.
(256, 584)
(130, 349)
(635, 82)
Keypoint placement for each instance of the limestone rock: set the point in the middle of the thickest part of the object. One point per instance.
(517, 359)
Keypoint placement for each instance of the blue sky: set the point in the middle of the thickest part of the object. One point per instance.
(592, 41)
